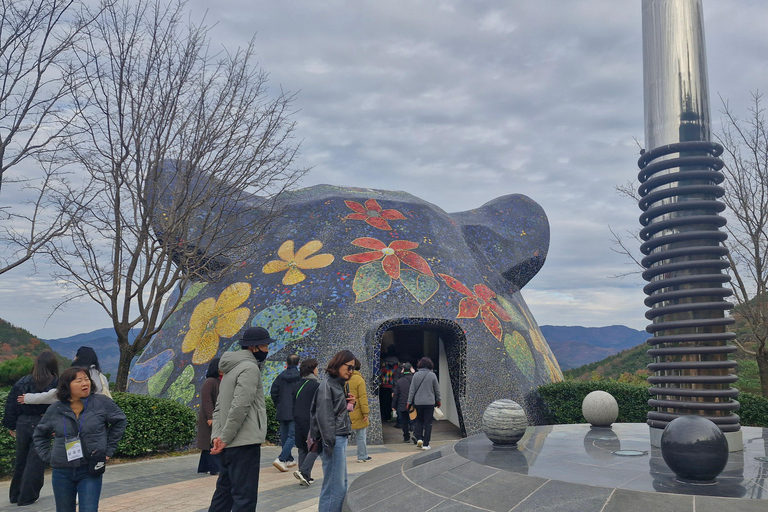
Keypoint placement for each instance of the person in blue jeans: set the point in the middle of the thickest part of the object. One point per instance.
(329, 421)
(359, 415)
(282, 396)
(85, 428)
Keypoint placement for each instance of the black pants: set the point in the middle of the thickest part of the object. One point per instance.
(208, 463)
(422, 427)
(238, 484)
(29, 468)
(385, 403)
(405, 423)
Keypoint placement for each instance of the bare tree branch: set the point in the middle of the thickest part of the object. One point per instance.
(43, 199)
(181, 142)
(746, 196)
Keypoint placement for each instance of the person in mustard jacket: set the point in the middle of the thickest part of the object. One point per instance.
(359, 414)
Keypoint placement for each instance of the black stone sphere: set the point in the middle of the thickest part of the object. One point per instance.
(694, 448)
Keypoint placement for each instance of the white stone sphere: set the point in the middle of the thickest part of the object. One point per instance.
(504, 422)
(600, 409)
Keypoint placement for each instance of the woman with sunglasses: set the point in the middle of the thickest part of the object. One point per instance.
(329, 421)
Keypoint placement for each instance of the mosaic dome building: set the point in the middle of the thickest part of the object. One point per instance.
(363, 270)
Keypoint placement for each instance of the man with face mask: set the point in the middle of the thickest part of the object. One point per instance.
(240, 423)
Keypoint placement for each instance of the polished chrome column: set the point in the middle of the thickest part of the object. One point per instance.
(684, 256)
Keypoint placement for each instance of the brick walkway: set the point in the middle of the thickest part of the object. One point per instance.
(172, 484)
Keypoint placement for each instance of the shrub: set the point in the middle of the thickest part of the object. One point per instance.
(562, 402)
(12, 370)
(154, 424)
(273, 426)
(754, 410)
(7, 442)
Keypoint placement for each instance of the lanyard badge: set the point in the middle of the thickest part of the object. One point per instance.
(73, 445)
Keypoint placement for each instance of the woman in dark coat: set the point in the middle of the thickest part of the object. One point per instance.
(400, 401)
(21, 420)
(208, 395)
(303, 394)
(78, 463)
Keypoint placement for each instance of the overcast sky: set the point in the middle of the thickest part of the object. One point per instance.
(459, 102)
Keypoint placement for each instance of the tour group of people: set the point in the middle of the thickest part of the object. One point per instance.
(67, 420)
(317, 416)
(70, 421)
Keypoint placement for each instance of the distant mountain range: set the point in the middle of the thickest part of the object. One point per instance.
(103, 341)
(575, 346)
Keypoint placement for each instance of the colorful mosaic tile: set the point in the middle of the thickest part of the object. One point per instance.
(370, 262)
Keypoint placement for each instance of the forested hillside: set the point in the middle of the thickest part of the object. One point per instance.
(15, 341)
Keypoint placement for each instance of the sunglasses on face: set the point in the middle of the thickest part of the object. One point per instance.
(350, 367)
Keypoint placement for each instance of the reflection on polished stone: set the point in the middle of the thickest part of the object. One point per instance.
(581, 454)
(600, 443)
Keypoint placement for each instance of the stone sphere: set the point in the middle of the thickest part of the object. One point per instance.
(504, 422)
(600, 409)
(694, 448)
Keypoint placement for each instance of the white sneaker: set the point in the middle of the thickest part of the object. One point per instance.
(280, 465)
(419, 444)
(303, 481)
(291, 463)
(425, 448)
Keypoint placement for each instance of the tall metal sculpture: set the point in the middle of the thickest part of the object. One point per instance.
(684, 255)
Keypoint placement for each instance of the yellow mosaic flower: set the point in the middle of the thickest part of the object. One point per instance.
(214, 319)
(291, 262)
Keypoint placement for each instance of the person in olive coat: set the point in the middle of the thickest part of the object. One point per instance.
(208, 395)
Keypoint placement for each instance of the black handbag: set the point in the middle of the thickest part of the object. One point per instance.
(97, 463)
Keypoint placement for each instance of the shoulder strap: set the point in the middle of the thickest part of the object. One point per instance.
(302, 387)
(417, 389)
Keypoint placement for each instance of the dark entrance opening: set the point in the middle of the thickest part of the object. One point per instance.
(444, 342)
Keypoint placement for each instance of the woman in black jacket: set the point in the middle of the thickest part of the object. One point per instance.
(303, 394)
(21, 420)
(85, 428)
(330, 422)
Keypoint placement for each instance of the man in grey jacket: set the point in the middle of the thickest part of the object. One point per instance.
(240, 424)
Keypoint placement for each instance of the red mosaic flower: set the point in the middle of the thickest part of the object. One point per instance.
(373, 214)
(396, 252)
(481, 302)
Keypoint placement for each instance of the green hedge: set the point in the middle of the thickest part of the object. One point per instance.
(562, 401)
(273, 426)
(7, 442)
(154, 424)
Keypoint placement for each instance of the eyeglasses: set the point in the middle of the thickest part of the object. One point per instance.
(350, 367)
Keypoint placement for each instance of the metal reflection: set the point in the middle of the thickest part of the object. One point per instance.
(682, 240)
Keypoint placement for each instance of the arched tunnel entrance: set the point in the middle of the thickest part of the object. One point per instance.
(443, 341)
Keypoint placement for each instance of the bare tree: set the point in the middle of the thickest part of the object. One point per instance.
(36, 38)
(181, 142)
(745, 143)
(746, 195)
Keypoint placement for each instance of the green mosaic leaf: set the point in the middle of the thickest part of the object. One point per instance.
(183, 390)
(421, 286)
(370, 280)
(191, 293)
(518, 350)
(518, 320)
(156, 382)
(286, 324)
